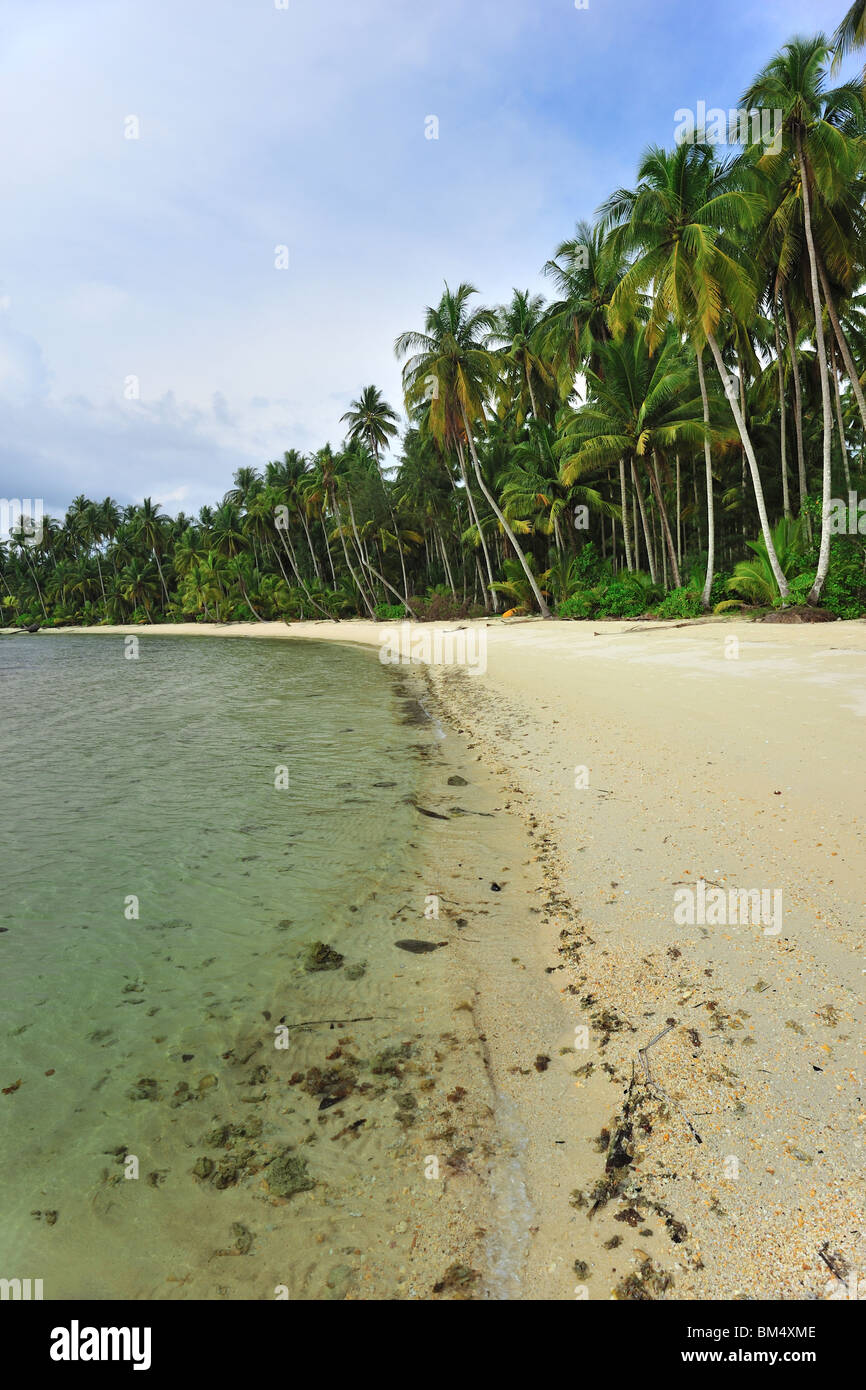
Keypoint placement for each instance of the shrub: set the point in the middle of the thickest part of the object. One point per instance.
(625, 596)
(389, 612)
(584, 605)
(680, 603)
(444, 608)
(845, 589)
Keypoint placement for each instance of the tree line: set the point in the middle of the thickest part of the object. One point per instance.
(671, 431)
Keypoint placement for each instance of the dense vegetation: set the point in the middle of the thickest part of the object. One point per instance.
(666, 434)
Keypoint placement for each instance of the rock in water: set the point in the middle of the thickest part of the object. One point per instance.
(287, 1174)
(321, 956)
(419, 947)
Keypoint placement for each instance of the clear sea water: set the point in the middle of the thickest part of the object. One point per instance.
(157, 890)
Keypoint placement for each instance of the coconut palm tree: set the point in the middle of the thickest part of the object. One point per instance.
(148, 528)
(453, 357)
(585, 271)
(517, 334)
(816, 125)
(676, 225)
(371, 419)
(638, 405)
(851, 33)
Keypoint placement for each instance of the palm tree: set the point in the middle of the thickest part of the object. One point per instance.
(638, 405)
(676, 224)
(533, 488)
(453, 355)
(517, 333)
(815, 139)
(851, 33)
(585, 271)
(371, 419)
(148, 527)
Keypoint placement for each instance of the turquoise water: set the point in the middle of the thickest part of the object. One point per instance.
(157, 891)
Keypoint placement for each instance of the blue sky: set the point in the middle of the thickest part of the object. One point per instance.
(154, 258)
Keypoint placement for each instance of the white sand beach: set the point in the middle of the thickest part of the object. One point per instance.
(643, 758)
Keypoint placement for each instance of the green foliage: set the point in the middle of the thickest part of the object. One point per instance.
(390, 612)
(516, 585)
(623, 596)
(753, 580)
(680, 603)
(845, 590)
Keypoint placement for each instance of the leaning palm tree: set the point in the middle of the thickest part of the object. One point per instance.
(676, 225)
(639, 405)
(817, 140)
(451, 361)
(370, 418)
(149, 528)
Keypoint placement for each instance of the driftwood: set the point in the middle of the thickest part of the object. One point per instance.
(655, 1085)
(314, 1022)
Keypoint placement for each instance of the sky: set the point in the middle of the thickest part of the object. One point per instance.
(219, 214)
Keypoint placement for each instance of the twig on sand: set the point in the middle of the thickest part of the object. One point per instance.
(655, 1085)
(652, 627)
(312, 1022)
(836, 1264)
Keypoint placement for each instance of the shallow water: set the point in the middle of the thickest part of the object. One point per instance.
(158, 890)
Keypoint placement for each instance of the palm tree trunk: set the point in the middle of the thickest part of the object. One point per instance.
(395, 526)
(843, 344)
(531, 393)
(783, 427)
(730, 392)
(742, 380)
(38, 590)
(161, 575)
(838, 394)
(358, 585)
(292, 558)
(243, 587)
(360, 550)
(708, 468)
(490, 596)
(449, 576)
(650, 554)
(798, 412)
(328, 551)
(309, 540)
(664, 520)
(679, 517)
(824, 551)
(99, 571)
(533, 583)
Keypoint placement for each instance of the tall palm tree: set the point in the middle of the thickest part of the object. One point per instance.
(453, 355)
(371, 419)
(638, 405)
(148, 527)
(517, 334)
(816, 140)
(677, 224)
(585, 271)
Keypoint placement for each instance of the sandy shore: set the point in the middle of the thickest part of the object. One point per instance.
(643, 759)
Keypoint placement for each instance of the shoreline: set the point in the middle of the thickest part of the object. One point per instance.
(734, 764)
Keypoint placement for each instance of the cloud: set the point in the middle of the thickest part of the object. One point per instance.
(153, 257)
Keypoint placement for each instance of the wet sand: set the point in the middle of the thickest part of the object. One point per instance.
(623, 763)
